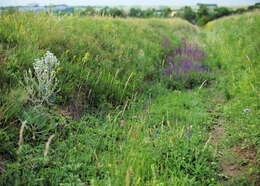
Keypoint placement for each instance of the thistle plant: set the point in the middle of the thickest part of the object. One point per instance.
(41, 85)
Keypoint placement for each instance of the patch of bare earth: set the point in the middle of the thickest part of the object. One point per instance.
(217, 134)
(237, 162)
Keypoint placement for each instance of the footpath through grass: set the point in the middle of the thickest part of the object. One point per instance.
(141, 102)
(233, 43)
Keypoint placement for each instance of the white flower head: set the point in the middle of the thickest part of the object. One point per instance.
(45, 81)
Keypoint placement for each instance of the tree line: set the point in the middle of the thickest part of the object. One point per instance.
(205, 14)
(200, 16)
(133, 12)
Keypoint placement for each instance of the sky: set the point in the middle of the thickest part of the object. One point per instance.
(126, 2)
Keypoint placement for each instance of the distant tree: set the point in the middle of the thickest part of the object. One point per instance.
(187, 13)
(203, 15)
(203, 11)
(135, 12)
(256, 6)
(89, 11)
(166, 12)
(148, 13)
(115, 12)
(220, 12)
(104, 11)
(239, 11)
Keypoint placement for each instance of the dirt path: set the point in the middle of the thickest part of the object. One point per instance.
(236, 162)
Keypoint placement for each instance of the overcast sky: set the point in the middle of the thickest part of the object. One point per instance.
(126, 2)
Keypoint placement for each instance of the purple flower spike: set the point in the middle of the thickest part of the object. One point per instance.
(184, 59)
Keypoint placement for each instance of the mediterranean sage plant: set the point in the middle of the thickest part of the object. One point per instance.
(41, 85)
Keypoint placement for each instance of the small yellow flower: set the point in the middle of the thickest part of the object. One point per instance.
(86, 57)
(58, 69)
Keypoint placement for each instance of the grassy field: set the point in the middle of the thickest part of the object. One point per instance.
(137, 102)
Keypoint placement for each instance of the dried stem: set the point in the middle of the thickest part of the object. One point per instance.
(20, 142)
(47, 145)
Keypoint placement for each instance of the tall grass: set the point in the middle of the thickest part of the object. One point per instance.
(93, 52)
(114, 119)
(233, 44)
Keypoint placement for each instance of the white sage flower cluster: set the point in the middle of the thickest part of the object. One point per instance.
(43, 84)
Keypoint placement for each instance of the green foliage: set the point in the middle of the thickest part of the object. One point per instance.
(115, 12)
(8, 146)
(116, 120)
(89, 11)
(220, 12)
(166, 12)
(39, 123)
(203, 14)
(253, 7)
(116, 50)
(135, 12)
(160, 146)
(187, 13)
(14, 103)
(235, 48)
(194, 79)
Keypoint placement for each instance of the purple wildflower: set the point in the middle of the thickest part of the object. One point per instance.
(184, 59)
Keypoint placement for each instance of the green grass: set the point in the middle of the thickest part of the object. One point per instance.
(233, 43)
(114, 120)
(97, 55)
(234, 49)
(164, 144)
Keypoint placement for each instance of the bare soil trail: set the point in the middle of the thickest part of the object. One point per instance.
(237, 161)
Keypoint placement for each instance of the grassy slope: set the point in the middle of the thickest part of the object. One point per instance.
(112, 49)
(233, 43)
(159, 141)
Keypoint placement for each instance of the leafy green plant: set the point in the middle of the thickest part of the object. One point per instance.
(39, 122)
